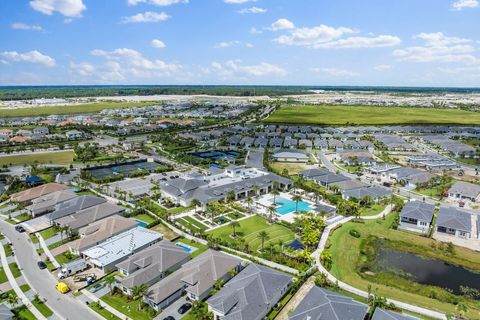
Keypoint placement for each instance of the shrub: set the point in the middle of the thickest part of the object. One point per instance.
(354, 233)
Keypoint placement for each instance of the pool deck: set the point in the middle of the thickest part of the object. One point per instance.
(265, 201)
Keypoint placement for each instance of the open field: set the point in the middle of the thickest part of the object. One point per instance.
(345, 251)
(62, 157)
(249, 230)
(365, 115)
(70, 109)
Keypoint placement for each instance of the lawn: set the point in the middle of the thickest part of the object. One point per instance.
(345, 251)
(250, 228)
(103, 312)
(374, 209)
(8, 249)
(23, 217)
(62, 157)
(168, 234)
(24, 314)
(81, 108)
(25, 287)
(292, 168)
(42, 307)
(15, 270)
(369, 115)
(65, 257)
(145, 218)
(3, 276)
(129, 308)
(196, 223)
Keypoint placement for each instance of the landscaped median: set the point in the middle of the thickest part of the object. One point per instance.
(352, 253)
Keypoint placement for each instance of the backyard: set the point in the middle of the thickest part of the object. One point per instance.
(346, 257)
(369, 115)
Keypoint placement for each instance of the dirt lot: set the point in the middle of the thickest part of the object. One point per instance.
(77, 285)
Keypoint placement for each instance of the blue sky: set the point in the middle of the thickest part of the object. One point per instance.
(297, 42)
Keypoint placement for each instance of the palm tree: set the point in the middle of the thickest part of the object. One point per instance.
(230, 196)
(255, 190)
(297, 199)
(275, 193)
(318, 195)
(196, 203)
(234, 224)
(211, 211)
(263, 236)
(110, 281)
(12, 299)
(139, 291)
(249, 203)
(271, 212)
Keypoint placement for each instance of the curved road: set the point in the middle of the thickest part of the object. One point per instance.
(42, 281)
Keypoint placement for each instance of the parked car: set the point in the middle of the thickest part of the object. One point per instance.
(97, 287)
(42, 265)
(19, 228)
(184, 308)
(169, 318)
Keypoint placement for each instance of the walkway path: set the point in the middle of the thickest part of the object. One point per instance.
(47, 251)
(16, 287)
(349, 288)
(296, 299)
(385, 212)
(107, 307)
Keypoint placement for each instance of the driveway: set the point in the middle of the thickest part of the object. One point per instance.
(255, 158)
(42, 281)
(172, 310)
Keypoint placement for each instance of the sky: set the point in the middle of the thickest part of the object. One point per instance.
(250, 42)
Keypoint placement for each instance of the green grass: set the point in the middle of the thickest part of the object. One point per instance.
(33, 238)
(200, 247)
(23, 217)
(42, 307)
(145, 218)
(15, 270)
(8, 250)
(65, 257)
(180, 210)
(196, 223)
(129, 308)
(374, 209)
(470, 161)
(249, 230)
(25, 287)
(345, 251)
(103, 312)
(24, 314)
(63, 157)
(3, 276)
(367, 115)
(83, 108)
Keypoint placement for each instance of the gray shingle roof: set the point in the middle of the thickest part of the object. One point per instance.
(465, 188)
(148, 264)
(323, 304)
(374, 192)
(250, 294)
(418, 210)
(73, 205)
(453, 218)
(89, 215)
(310, 173)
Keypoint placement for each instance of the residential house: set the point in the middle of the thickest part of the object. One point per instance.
(382, 314)
(100, 231)
(196, 278)
(320, 303)
(84, 217)
(464, 191)
(47, 203)
(375, 192)
(250, 295)
(416, 216)
(455, 222)
(71, 206)
(151, 265)
(28, 195)
(309, 174)
(290, 156)
(73, 134)
(329, 179)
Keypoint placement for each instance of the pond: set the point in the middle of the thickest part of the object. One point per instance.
(428, 271)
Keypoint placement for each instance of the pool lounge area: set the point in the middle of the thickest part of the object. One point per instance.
(286, 206)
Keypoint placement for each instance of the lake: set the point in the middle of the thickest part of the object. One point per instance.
(428, 271)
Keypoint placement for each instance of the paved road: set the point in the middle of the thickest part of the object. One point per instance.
(42, 281)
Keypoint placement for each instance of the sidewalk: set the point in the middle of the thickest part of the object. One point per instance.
(47, 251)
(112, 310)
(16, 287)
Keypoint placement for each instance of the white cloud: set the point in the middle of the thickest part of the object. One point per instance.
(462, 4)
(24, 26)
(235, 69)
(252, 10)
(158, 44)
(438, 48)
(334, 72)
(238, 1)
(32, 56)
(147, 16)
(254, 30)
(160, 3)
(328, 37)
(68, 8)
(282, 24)
(234, 43)
(382, 67)
(82, 68)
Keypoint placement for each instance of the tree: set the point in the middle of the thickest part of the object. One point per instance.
(366, 201)
(249, 204)
(297, 198)
(200, 311)
(230, 196)
(12, 299)
(263, 236)
(110, 281)
(234, 224)
(211, 211)
(275, 193)
(138, 292)
(326, 259)
(317, 195)
(196, 203)
(256, 190)
(271, 211)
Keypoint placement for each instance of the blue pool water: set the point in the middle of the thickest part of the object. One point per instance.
(287, 206)
(141, 223)
(184, 247)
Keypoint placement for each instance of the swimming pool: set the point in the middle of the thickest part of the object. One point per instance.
(286, 206)
(185, 247)
(141, 223)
